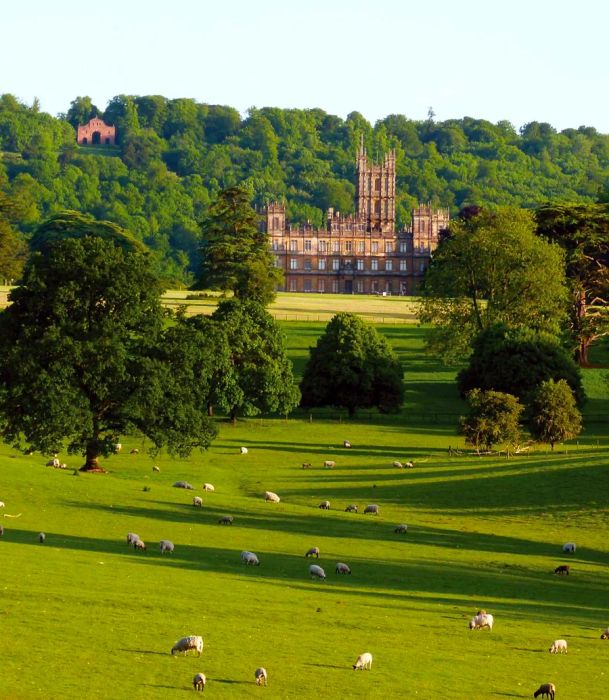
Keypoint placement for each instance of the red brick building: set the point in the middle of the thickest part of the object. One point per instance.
(96, 132)
(361, 253)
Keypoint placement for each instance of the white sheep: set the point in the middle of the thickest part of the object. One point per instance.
(351, 508)
(208, 487)
(1, 504)
(272, 497)
(118, 447)
(132, 537)
(313, 552)
(226, 520)
(398, 464)
(605, 634)
(401, 529)
(324, 505)
(199, 681)
(134, 451)
(559, 645)
(250, 558)
(569, 547)
(372, 508)
(183, 485)
(346, 444)
(261, 676)
(243, 450)
(185, 644)
(342, 568)
(53, 463)
(316, 571)
(156, 469)
(363, 661)
(166, 546)
(139, 544)
(409, 465)
(329, 464)
(197, 501)
(41, 537)
(481, 620)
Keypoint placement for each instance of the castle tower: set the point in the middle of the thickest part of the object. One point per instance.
(426, 226)
(375, 192)
(275, 218)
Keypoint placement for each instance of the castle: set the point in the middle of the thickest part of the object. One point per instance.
(361, 253)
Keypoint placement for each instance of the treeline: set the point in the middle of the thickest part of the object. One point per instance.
(174, 156)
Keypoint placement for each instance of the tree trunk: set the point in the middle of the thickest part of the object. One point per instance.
(551, 447)
(582, 352)
(92, 457)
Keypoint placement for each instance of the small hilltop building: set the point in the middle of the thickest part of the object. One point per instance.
(96, 131)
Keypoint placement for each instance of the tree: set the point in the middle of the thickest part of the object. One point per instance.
(493, 418)
(236, 255)
(81, 111)
(582, 230)
(517, 361)
(554, 416)
(352, 366)
(85, 356)
(13, 249)
(260, 378)
(492, 268)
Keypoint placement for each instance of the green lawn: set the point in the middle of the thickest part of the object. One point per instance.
(84, 616)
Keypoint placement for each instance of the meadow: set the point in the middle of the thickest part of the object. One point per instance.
(84, 616)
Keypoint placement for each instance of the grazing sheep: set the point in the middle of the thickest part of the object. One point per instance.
(351, 508)
(306, 465)
(400, 529)
(329, 464)
(250, 558)
(569, 547)
(342, 568)
(562, 569)
(482, 620)
(156, 469)
(605, 634)
(346, 443)
(139, 544)
(363, 661)
(134, 451)
(226, 520)
(53, 463)
(372, 508)
(183, 485)
(261, 676)
(409, 465)
(186, 644)
(313, 552)
(324, 505)
(166, 546)
(132, 537)
(546, 690)
(1, 504)
(272, 497)
(317, 572)
(41, 537)
(197, 501)
(1, 530)
(559, 645)
(398, 464)
(118, 446)
(208, 487)
(243, 450)
(199, 681)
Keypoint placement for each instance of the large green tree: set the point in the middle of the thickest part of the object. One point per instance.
(352, 366)
(259, 378)
(553, 413)
(236, 255)
(582, 230)
(493, 418)
(13, 249)
(85, 356)
(492, 268)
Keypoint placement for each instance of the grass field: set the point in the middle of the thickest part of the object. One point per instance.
(84, 616)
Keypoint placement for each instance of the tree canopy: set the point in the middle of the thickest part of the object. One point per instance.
(352, 366)
(553, 413)
(493, 418)
(492, 269)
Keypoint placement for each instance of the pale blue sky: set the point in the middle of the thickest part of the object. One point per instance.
(520, 60)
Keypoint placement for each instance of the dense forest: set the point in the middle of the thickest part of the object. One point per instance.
(173, 156)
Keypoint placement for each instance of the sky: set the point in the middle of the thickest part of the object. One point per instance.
(516, 60)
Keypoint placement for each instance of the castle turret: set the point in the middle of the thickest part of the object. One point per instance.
(375, 191)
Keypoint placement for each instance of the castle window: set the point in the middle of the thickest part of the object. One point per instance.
(293, 246)
(293, 263)
(377, 207)
(321, 286)
(374, 264)
(336, 246)
(361, 246)
(322, 263)
(389, 265)
(307, 246)
(292, 285)
(403, 247)
(275, 222)
(422, 266)
(335, 263)
(377, 184)
(374, 247)
(322, 246)
(360, 264)
(307, 285)
(359, 286)
(307, 264)
(403, 266)
(389, 246)
(277, 261)
(334, 286)
(348, 246)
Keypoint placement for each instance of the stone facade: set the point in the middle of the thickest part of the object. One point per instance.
(96, 132)
(361, 253)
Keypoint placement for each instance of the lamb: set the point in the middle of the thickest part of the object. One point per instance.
(363, 661)
(562, 569)
(313, 552)
(139, 544)
(183, 485)
(208, 487)
(226, 520)
(546, 690)
(134, 451)
(186, 644)
(131, 538)
(398, 464)
(401, 529)
(351, 508)
(1, 504)
(306, 465)
(569, 547)
(41, 537)
(53, 463)
(243, 450)
(197, 501)
(199, 681)
(317, 572)
(166, 546)
(329, 464)
(156, 469)
(342, 568)
(409, 465)
(261, 676)
(346, 444)
(372, 508)
(250, 559)
(559, 645)
(272, 497)
(118, 447)
(482, 620)
(605, 634)
(324, 505)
